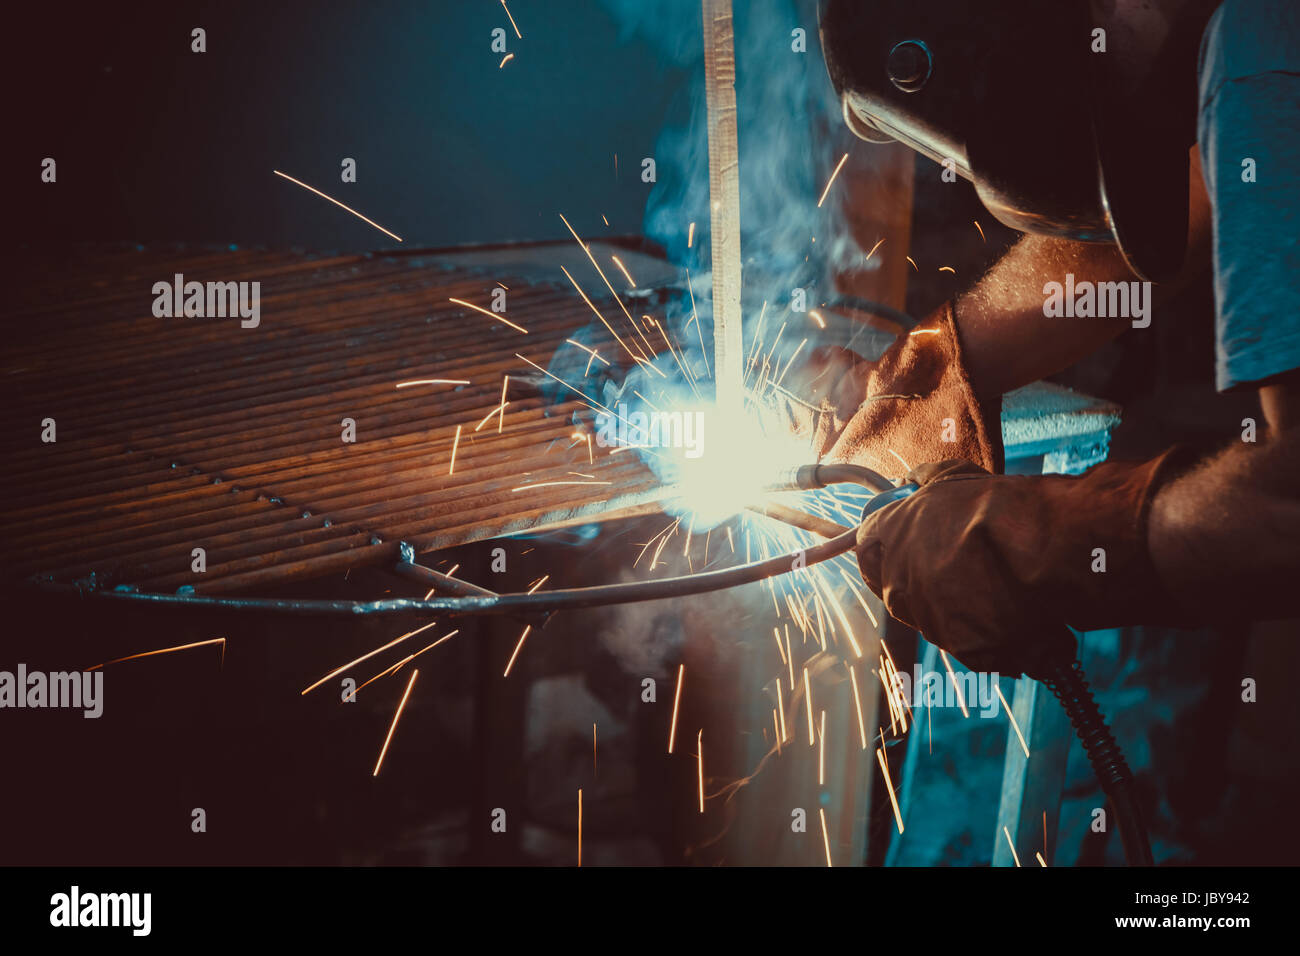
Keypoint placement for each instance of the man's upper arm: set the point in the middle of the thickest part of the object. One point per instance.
(1249, 135)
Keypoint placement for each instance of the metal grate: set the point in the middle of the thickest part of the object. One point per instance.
(177, 433)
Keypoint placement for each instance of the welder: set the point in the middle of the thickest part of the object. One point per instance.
(1129, 140)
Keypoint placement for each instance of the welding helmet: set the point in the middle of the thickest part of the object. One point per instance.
(1011, 95)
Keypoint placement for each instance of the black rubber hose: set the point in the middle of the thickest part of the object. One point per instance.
(1068, 683)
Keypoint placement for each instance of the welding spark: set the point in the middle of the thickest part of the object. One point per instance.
(409, 657)
(826, 838)
(512, 19)
(889, 783)
(913, 261)
(816, 317)
(821, 753)
(579, 826)
(1014, 855)
(832, 179)
(873, 251)
(505, 59)
(166, 650)
(454, 445)
(496, 316)
(1012, 717)
(807, 694)
(337, 203)
(431, 381)
(396, 717)
(1039, 857)
(677, 700)
(699, 752)
(548, 484)
(981, 231)
(900, 458)
(857, 703)
(780, 703)
(518, 648)
(365, 657)
(948, 269)
(690, 236)
(961, 698)
(622, 268)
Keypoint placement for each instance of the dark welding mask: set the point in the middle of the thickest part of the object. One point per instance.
(1012, 96)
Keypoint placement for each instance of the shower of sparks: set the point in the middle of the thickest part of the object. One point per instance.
(699, 752)
(889, 783)
(366, 657)
(676, 703)
(166, 650)
(512, 20)
(337, 203)
(1014, 855)
(857, 703)
(518, 648)
(505, 59)
(623, 269)
(780, 704)
(981, 230)
(776, 729)
(1012, 717)
(451, 470)
(496, 316)
(396, 717)
(838, 167)
(431, 381)
(826, 837)
(956, 684)
(579, 826)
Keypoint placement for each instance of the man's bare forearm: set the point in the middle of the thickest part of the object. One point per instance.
(1008, 340)
(1227, 533)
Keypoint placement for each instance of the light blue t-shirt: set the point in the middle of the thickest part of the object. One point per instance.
(1250, 110)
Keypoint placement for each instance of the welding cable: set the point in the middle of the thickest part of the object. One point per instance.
(1068, 683)
(516, 603)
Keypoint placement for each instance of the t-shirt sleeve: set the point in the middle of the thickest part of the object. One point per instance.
(1249, 137)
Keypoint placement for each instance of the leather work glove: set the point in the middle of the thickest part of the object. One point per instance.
(914, 404)
(990, 567)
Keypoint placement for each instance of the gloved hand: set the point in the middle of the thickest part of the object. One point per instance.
(990, 567)
(915, 404)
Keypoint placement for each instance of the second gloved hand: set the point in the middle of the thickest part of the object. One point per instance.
(990, 567)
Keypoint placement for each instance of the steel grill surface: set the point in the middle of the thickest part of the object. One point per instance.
(182, 433)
